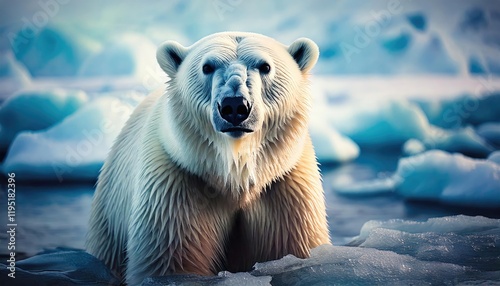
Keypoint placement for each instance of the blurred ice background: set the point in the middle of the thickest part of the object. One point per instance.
(406, 123)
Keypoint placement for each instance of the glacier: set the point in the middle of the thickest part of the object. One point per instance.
(36, 110)
(374, 38)
(73, 149)
(449, 178)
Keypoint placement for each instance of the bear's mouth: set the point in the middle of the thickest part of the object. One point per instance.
(237, 129)
(236, 132)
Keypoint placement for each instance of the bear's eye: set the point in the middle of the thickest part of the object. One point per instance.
(208, 69)
(265, 68)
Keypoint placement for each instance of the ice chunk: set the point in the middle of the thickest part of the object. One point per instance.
(357, 266)
(463, 140)
(386, 45)
(449, 178)
(392, 122)
(397, 44)
(74, 149)
(461, 240)
(60, 267)
(495, 157)
(36, 110)
(435, 52)
(463, 110)
(475, 66)
(376, 124)
(461, 249)
(366, 188)
(418, 21)
(474, 19)
(129, 54)
(491, 132)
(13, 75)
(10, 68)
(437, 176)
(52, 51)
(331, 146)
(224, 278)
(413, 147)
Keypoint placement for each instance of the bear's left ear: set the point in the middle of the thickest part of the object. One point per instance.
(305, 52)
(170, 56)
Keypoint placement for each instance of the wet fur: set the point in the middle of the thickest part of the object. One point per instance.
(175, 196)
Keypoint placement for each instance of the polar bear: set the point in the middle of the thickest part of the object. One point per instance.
(218, 172)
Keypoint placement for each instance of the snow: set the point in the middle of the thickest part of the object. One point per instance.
(331, 146)
(343, 265)
(36, 110)
(449, 178)
(437, 176)
(74, 149)
(413, 147)
(391, 123)
(461, 240)
(379, 124)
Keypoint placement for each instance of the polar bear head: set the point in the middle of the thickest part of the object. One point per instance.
(236, 107)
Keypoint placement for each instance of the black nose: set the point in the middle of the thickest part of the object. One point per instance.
(234, 110)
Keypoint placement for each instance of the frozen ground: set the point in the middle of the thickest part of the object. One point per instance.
(427, 251)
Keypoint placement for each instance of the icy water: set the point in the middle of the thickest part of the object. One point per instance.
(347, 214)
(51, 216)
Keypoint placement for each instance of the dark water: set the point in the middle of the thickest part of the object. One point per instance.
(50, 216)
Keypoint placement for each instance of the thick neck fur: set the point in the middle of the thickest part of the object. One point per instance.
(232, 166)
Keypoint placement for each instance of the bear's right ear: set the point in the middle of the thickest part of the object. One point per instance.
(170, 55)
(305, 52)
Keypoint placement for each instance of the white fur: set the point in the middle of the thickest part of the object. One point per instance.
(173, 188)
